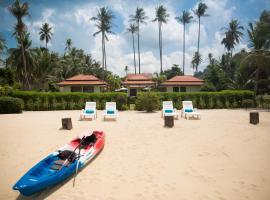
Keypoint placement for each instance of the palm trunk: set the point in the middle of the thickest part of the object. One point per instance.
(24, 62)
(105, 61)
(134, 53)
(160, 46)
(103, 51)
(198, 47)
(46, 45)
(139, 48)
(184, 49)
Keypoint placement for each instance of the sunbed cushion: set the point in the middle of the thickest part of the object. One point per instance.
(89, 111)
(168, 111)
(110, 111)
(188, 110)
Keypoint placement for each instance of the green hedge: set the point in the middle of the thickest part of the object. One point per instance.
(10, 105)
(147, 101)
(210, 100)
(68, 100)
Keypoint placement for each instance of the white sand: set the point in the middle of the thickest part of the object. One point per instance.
(221, 157)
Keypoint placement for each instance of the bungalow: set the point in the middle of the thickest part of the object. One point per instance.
(82, 83)
(138, 82)
(182, 84)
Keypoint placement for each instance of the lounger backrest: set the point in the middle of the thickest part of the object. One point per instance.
(187, 105)
(110, 106)
(90, 105)
(167, 105)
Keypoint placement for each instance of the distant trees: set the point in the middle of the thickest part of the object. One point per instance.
(161, 17)
(185, 18)
(174, 71)
(45, 33)
(104, 25)
(196, 60)
(139, 18)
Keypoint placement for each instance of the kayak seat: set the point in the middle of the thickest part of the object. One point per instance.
(59, 163)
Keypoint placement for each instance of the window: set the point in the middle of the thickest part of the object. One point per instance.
(183, 89)
(76, 88)
(133, 92)
(176, 89)
(88, 89)
(163, 89)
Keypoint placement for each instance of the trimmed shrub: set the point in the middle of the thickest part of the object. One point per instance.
(6, 90)
(10, 105)
(69, 100)
(148, 101)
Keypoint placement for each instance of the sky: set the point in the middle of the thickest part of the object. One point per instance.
(71, 19)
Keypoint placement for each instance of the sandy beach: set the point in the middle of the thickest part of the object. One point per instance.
(220, 157)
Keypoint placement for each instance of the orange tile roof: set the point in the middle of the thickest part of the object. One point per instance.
(183, 80)
(138, 83)
(143, 76)
(138, 80)
(82, 79)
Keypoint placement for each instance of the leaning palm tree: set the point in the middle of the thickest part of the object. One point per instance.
(133, 29)
(161, 17)
(104, 25)
(233, 35)
(45, 33)
(196, 60)
(185, 18)
(139, 17)
(200, 12)
(19, 11)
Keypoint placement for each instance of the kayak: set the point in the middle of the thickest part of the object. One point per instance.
(61, 164)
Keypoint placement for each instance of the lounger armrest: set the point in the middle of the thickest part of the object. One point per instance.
(195, 109)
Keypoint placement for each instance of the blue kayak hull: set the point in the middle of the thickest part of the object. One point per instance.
(42, 176)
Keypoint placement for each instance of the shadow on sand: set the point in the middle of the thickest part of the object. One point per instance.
(50, 190)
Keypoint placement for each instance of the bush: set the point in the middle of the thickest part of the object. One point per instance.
(10, 105)
(148, 101)
(6, 90)
(68, 100)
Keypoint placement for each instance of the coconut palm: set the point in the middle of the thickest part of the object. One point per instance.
(19, 11)
(45, 33)
(185, 18)
(161, 17)
(233, 35)
(104, 25)
(139, 17)
(196, 60)
(3, 47)
(68, 45)
(126, 69)
(211, 59)
(200, 12)
(133, 29)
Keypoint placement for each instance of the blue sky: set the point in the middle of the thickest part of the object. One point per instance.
(70, 19)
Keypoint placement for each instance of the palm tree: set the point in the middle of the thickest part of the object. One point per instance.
(3, 47)
(133, 29)
(161, 17)
(196, 60)
(126, 70)
(104, 25)
(233, 35)
(16, 60)
(19, 11)
(45, 33)
(139, 17)
(185, 18)
(258, 42)
(68, 45)
(211, 60)
(200, 12)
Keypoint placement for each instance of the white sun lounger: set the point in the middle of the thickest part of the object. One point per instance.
(110, 111)
(188, 110)
(90, 111)
(168, 110)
